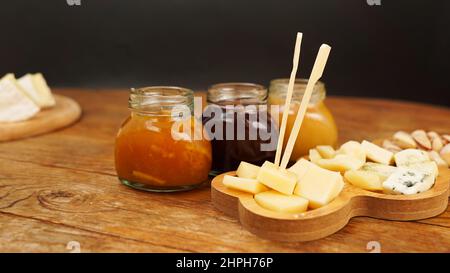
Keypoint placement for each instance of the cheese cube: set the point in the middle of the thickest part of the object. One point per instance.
(247, 170)
(243, 184)
(364, 179)
(280, 180)
(407, 181)
(340, 163)
(376, 153)
(279, 202)
(319, 186)
(300, 167)
(314, 155)
(326, 151)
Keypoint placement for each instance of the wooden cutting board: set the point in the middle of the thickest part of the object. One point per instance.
(64, 113)
(324, 221)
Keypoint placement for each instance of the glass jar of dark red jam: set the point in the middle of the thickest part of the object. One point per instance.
(239, 125)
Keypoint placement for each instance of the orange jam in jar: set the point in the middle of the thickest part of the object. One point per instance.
(318, 126)
(155, 148)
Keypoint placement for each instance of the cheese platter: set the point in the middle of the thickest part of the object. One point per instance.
(320, 222)
(318, 195)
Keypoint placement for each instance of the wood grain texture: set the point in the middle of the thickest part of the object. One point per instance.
(319, 223)
(62, 186)
(65, 112)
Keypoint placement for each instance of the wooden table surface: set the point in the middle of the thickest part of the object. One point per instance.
(62, 187)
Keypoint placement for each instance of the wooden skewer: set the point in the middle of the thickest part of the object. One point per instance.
(316, 73)
(287, 104)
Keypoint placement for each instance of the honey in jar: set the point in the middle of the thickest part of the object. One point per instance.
(318, 126)
(148, 155)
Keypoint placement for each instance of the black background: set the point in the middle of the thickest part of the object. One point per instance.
(400, 49)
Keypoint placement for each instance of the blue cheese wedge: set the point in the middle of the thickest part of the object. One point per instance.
(429, 167)
(15, 105)
(408, 181)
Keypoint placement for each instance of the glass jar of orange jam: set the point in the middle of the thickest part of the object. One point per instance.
(318, 126)
(155, 148)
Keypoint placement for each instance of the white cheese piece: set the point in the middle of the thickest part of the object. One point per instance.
(383, 171)
(37, 89)
(15, 105)
(326, 151)
(408, 181)
(376, 153)
(319, 186)
(410, 156)
(243, 184)
(247, 170)
(280, 180)
(278, 202)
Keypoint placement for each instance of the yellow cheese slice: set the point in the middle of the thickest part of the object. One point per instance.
(280, 180)
(340, 163)
(377, 154)
(364, 179)
(314, 155)
(247, 170)
(279, 202)
(300, 167)
(319, 186)
(326, 151)
(243, 184)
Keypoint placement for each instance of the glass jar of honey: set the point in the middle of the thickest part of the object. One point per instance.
(153, 154)
(318, 126)
(239, 125)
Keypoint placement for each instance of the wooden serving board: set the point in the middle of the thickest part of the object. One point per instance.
(65, 112)
(324, 221)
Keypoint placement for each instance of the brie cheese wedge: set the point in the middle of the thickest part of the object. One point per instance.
(37, 89)
(15, 105)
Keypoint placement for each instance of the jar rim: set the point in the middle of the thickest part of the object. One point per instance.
(159, 100)
(300, 82)
(162, 90)
(237, 93)
(278, 87)
(240, 84)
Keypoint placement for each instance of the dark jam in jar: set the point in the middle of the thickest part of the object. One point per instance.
(239, 126)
